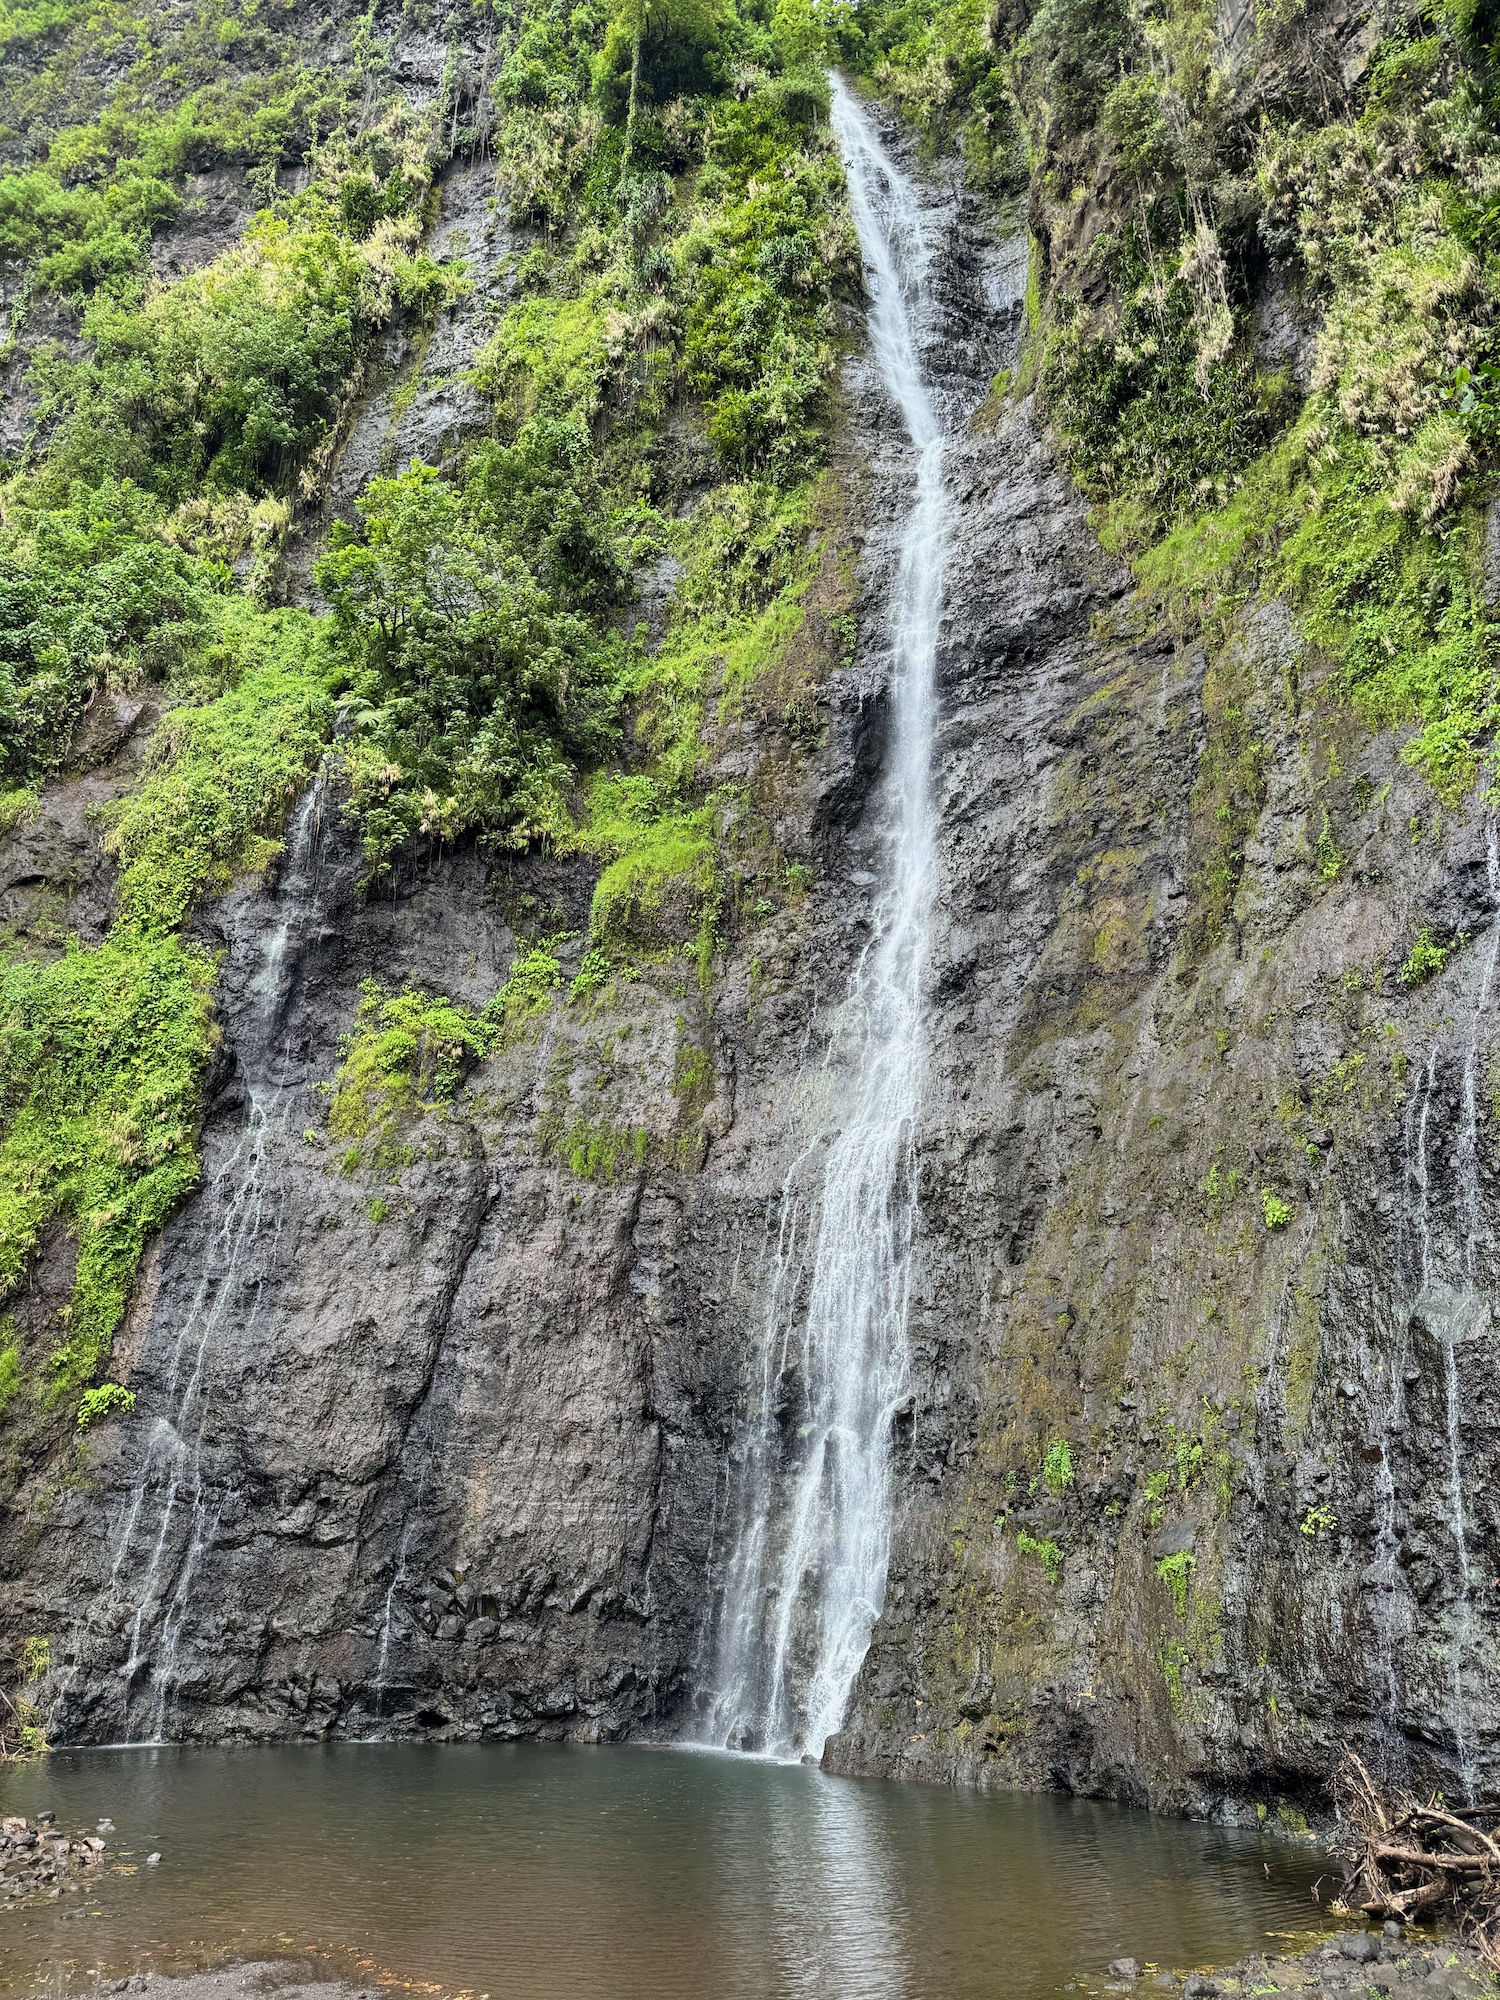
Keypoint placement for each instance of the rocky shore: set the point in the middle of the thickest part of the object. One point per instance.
(37, 1860)
(1390, 1964)
(287, 1979)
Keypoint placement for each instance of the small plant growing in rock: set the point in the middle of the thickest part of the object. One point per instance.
(1047, 1552)
(1176, 1572)
(593, 973)
(1330, 861)
(1057, 1467)
(1278, 1213)
(1426, 958)
(1319, 1520)
(102, 1402)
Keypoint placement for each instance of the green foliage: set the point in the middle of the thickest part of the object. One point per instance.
(475, 651)
(1159, 183)
(404, 1058)
(103, 1051)
(1047, 1552)
(10, 1362)
(604, 1152)
(102, 1055)
(759, 330)
(1176, 1572)
(660, 883)
(528, 992)
(1188, 1453)
(1278, 1213)
(1318, 1520)
(1057, 1466)
(655, 50)
(942, 65)
(1393, 601)
(464, 680)
(85, 594)
(1426, 958)
(226, 380)
(223, 775)
(36, 1657)
(1131, 412)
(103, 1402)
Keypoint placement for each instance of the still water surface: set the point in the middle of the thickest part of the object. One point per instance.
(539, 1872)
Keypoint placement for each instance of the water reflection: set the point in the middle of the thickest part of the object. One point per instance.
(534, 1872)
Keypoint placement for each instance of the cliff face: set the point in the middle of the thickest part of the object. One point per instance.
(1194, 1484)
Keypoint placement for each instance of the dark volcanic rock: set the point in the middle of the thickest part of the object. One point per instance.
(442, 1446)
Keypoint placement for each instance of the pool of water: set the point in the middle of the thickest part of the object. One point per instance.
(541, 1872)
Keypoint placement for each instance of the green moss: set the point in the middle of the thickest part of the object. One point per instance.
(10, 1363)
(604, 1152)
(661, 881)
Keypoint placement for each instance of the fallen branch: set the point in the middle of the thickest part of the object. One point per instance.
(1408, 1858)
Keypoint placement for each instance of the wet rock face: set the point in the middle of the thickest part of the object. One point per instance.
(1194, 1484)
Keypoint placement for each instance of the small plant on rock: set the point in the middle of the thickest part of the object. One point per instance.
(1425, 959)
(1278, 1213)
(1057, 1467)
(103, 1402)
(1176, 1572)
(1047, 1553)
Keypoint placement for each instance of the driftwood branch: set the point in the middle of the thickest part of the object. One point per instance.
(1408, 1857)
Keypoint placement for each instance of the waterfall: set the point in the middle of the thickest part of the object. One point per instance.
(1437, 1263)
(806, 1575)
(171, 1515)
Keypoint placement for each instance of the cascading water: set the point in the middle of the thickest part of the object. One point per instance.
(172, 1513)
(1437, 1259)
(807, 1571)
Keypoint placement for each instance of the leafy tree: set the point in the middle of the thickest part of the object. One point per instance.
(655, 50)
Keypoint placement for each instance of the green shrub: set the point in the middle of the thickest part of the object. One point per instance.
(1278, 1213)
(1425, 959)
(404, 1057)
(465, 684)
(102, 1055)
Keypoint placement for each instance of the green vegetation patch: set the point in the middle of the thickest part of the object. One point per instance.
(404, 1058)
(661, 386)
(102, 1056)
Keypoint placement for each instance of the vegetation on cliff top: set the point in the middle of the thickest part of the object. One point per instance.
(1266, 278)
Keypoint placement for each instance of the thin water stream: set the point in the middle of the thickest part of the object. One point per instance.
(806, 1576)
(1444, 1300)
(175, 1505)
(551, 1872)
